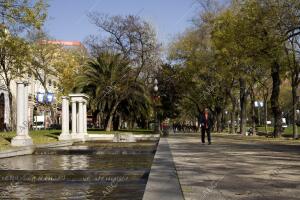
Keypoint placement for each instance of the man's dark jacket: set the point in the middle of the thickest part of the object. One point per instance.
(210, 120)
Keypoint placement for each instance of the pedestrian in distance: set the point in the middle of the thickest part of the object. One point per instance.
(206, 122)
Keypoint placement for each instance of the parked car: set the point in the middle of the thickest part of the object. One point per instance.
(55, 127)
(284, 125)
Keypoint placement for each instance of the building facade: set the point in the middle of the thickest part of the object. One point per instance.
(39, 114)
(4, 108)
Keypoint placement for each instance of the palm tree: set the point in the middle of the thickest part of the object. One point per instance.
(137, 106)
(110, 82)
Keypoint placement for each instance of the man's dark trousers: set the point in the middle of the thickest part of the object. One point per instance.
(207, 130)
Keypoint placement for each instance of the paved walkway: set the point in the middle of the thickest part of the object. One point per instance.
(231, 169)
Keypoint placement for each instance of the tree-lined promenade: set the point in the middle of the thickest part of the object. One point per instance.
(231, 57)
(118, 115)
(240, 54)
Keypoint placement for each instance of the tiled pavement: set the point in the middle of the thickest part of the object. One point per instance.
(230, 169)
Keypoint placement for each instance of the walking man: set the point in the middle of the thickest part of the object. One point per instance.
(206, 122)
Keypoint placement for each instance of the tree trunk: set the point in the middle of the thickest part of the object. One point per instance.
(253, 112)
(232, 115)
(223, 121)
(275, 73)
(219, 121)
(110, 118)
(116, 122)
(243, 101)
(11, 111)
(266, 113)
(295, 102)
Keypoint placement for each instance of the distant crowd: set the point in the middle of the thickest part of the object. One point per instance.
(186, 128)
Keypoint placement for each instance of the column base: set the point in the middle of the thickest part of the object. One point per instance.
(21, 141)
(64, 136)
(80, 136)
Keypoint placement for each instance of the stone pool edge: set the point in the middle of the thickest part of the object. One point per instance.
(163, 182)
(21, 151)
(17, 151)
(28, 150)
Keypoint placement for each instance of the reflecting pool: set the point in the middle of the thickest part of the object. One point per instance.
(90, 170)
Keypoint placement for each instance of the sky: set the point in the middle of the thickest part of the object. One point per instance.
(68, 18)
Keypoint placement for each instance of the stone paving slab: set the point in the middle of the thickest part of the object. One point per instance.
(229, 170)
(163, 182)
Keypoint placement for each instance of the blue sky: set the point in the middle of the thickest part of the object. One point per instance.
(68, 19)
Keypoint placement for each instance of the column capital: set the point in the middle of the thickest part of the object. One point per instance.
(65, 97)
(20, 82)
(26, 83)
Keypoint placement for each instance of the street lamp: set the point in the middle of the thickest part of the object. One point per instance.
(296, 131)
(155, 88)
(155, 85)
(227, 120)
(259, 104)
(45, 100)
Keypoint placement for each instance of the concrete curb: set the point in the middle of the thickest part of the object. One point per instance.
(111, 137)
(56, 144)
(163, 183)
(20, 151)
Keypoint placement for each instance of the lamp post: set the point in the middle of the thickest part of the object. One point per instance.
(296, 135)
(227, 120)
(45, 100)
(259, 104)
(155, 89)
(297, 117)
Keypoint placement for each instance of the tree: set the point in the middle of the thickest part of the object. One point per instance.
(13, 63)
(43, 59)
(130, 36)
(257, 37)
(17, 15)
(263, 25)
(289, 27)
(68, 65)
(170, 84)
(109, 81)
(201, 79)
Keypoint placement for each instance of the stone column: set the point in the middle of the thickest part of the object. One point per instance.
(22, 138)
(20, 108)
(81, 119)
(84, 119)
(77, 116)
(25, 120)
(65, 134)
(74, 119)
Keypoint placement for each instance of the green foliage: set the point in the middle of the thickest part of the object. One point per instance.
(20, 14)
(109, 81)
(170, 91)
(231, 54)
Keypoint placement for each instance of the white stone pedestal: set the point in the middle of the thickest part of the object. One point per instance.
(22, 138)
(65, 134)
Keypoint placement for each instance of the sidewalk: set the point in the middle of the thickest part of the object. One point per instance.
(231, 169)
